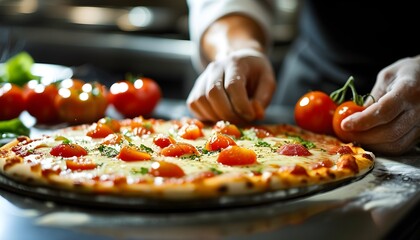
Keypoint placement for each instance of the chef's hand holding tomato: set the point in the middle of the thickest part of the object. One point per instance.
(238, 82)
(391, 124)
(387, 122)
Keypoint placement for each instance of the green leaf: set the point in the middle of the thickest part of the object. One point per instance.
(302, 141)
(18, 69)
(14, 126)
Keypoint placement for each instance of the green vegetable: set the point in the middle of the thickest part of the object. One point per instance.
(302, 141)
(107, 151)
(17, 70)
(13, 128)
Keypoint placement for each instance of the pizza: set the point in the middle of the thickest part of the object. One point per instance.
(180, 159)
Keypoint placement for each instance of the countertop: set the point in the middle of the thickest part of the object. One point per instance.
(383, 205)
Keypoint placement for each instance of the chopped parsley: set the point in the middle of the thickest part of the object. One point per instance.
(215, 171)
(107, 151)
(262, 144)
(141, 171)
(191, 157)
(305, 143)
(146, 148)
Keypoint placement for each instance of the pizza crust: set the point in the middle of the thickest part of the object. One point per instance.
(239, 181)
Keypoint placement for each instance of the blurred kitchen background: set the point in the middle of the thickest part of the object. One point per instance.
(104, 39)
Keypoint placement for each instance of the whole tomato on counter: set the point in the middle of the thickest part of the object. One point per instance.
(11, 101)
(40, 102)
(80, 102)
(135, 98)
(314, 112)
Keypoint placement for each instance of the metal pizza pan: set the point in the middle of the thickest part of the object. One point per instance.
(106, 201)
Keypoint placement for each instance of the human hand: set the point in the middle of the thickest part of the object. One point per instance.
(235, 88)
(392, 124)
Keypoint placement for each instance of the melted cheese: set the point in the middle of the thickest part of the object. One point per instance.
(268, 160)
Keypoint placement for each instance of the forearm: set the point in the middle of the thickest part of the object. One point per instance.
(231, 33)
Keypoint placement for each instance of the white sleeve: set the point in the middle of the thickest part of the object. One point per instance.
(204, 12)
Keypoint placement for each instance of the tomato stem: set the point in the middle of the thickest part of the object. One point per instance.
(131, 77)
(339, 96)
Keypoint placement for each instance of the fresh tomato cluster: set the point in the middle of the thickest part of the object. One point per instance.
(75, 101)
(321, 113)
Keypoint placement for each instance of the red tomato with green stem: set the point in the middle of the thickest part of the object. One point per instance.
(314, 112)
(135, 98)
(346, 108)
(11, 101)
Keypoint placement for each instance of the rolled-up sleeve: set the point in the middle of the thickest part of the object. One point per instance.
(204, 12)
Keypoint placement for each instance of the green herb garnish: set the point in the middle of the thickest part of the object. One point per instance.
(141, 171)
(305, 143)
(146, 148)
(107, 151)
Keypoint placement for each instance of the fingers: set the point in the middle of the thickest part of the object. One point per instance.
(265, 91)
(235, 85)
(235, 90)
(250, 89)
(394, 137)
(198, 103)
(381, 112)
(380, 88)
(208, 99)
(399, 146)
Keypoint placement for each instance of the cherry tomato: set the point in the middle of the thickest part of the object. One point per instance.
(166, 169)
(190, 131)
(73, 83)
(40, 102)
(99, 130)
(84, 105)
(135, 99)
(314, 112)
(227, 128)
(219, 141)
(11, 101)
(131, 154)
(179, 149)
(235, 155)
(114, 124)
(163, 140)
(68, 150)
(80, 164)
(344, 110)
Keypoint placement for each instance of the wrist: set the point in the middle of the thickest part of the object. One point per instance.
(230, 34)
(240, 52)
